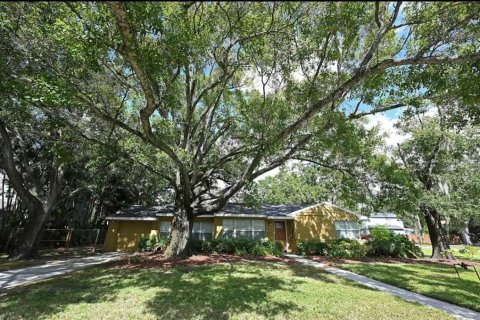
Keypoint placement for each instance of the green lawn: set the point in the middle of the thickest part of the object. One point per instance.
(433, 280)
(248, 290)
(427, 251)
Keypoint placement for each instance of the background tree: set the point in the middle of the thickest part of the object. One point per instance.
(187, 74)
(436, 174)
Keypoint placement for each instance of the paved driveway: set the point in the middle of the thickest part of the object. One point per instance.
(17, 277)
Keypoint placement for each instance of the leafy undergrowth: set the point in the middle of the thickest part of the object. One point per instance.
(236, 290)
(435, 280)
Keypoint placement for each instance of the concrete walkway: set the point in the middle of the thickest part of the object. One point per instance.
(458, 312)
(17, 277)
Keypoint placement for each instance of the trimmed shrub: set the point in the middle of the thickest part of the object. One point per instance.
(239, 247)
(346, 249)
(151, 243)
(385, 242)
(339, 248)
(312, 248)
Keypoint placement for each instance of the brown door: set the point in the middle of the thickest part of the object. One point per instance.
(280, 234)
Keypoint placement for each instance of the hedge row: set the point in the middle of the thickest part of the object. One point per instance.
(340, 248)
(240, 247)
(381, 242)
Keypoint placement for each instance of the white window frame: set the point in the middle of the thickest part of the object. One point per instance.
(204, 229)
(347, 229)
(255, 226)
(164, 231)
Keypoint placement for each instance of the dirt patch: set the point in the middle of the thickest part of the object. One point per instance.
(333, 262)
(153, 261)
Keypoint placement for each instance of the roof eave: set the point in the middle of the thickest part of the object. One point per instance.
(131, 218)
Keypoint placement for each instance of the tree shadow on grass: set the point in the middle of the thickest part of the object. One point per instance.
(222, 291)
(437, 281)
(216, 292)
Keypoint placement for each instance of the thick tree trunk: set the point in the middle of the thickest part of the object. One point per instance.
(439, 244)
(465, 233)
(179, 242)
(27, 246)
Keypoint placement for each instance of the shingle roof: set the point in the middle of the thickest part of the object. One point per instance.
(137, 212)
(268, 210)
(142, 212)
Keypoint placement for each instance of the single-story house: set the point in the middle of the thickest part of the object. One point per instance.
(287, 224)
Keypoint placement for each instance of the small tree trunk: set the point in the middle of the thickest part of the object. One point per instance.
(465, 234)
(432, 219)
(418, 229)
(30, 238)
(179, 242)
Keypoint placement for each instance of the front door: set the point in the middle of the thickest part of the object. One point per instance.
(280, 233)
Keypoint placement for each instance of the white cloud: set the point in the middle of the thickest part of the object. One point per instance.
(254, 80)
(270, 173)
(386, 125)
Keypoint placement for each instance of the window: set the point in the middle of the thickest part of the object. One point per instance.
(165, 229)
(347, 229)
(244, 228)
(202, 231)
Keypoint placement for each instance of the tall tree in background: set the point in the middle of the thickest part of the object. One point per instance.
(433, 174)
(36, 174)
(336, 167)
(230, 91)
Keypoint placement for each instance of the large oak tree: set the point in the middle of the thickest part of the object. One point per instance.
(230, 91)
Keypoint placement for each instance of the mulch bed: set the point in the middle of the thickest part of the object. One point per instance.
(333, 262)
(157, 260)
(154, 261)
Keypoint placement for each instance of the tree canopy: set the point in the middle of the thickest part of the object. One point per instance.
(204, 92)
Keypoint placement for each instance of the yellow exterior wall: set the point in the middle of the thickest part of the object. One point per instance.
(123, 235)
(318, 223)
(130, 232)
(292, 243)
(111, 237)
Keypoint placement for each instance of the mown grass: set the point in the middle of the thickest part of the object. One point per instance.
(433, 280)
(247, 290)
(427, 251)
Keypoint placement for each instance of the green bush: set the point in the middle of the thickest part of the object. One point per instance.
(339, 248)
(151, 243)
(384, 242)
(469, 251)
(312, 248)
(240, 247)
